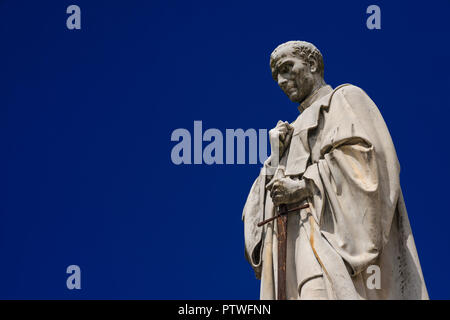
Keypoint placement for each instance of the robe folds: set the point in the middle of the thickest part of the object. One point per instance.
(356, 224)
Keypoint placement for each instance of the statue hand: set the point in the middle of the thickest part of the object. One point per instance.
(277, 137)
(287, 190)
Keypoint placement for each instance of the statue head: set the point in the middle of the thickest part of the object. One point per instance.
(297, 66)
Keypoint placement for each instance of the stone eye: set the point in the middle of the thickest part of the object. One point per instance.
(285, 68)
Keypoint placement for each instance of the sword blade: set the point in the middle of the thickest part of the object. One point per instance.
(282, 252)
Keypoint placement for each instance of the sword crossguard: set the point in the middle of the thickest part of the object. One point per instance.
(304, 206)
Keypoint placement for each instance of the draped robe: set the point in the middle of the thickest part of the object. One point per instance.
(356, 223)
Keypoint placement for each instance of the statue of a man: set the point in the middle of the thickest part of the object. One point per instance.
(354, 241)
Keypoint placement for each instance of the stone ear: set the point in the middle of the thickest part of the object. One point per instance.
(312, 64)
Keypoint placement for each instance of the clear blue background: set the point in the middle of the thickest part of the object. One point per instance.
(86, 118)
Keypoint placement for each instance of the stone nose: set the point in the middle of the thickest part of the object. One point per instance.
(282, 81)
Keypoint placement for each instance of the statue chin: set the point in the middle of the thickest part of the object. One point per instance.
(293, 97)
(298, 96)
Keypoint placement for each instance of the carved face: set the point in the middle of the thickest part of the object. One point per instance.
(294, 75)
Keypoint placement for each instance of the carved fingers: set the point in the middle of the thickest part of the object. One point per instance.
(287, 190)
(277, 136)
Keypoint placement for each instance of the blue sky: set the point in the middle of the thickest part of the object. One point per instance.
(87, 117)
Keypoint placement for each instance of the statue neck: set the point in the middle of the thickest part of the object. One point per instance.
(313, 95)
(317, 85)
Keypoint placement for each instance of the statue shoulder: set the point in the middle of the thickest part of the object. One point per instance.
(349, 91)
(354, 98)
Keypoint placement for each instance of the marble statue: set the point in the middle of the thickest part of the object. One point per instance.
(352, 238)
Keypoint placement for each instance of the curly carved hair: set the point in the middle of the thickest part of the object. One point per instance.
(303, 50)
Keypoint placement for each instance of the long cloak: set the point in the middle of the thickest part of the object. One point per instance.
(357, 223)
